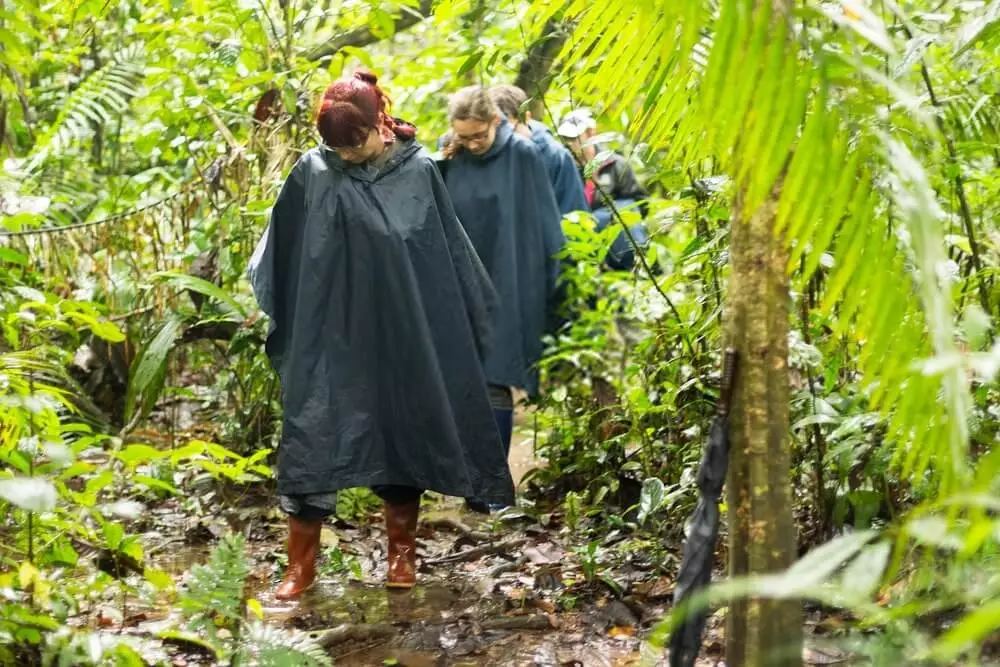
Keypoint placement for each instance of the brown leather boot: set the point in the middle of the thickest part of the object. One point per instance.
(303, 546)
(401, 527)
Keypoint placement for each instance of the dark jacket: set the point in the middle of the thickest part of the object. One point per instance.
(617, 180)
(380, 310)
(507, 206)
(561, 167)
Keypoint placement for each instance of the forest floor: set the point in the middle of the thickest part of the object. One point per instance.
(510, 589)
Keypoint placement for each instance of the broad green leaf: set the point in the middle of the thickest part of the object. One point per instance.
(150, 368)
(158, 578)
(108, 331)
(862, 575)
(255, 608)
(651, 498)
(12, 256)
(195, 284)
(984, 27)
(113, 534)
(817, 566)
(139, 453)
(154, 483)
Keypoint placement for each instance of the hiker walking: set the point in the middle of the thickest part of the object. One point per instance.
(502, 195)
(612, 175)
(559, 162)
(380, 311)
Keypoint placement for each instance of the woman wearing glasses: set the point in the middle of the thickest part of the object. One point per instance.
(379, 313)
(503, 197)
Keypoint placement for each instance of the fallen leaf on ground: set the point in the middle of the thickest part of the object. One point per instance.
(656, 589)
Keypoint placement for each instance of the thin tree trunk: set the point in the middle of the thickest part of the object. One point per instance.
(535, 72)
(761, 526)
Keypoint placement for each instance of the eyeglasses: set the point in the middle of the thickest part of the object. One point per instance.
(482, 135)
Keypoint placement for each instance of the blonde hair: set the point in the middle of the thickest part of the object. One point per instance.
(472, 103)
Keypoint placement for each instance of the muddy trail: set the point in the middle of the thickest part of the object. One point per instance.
(491, 591)
(518, 588)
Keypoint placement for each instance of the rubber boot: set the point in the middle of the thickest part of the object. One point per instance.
(303, 547)
(401, 527)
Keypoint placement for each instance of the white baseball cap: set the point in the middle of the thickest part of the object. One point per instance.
(576, 123)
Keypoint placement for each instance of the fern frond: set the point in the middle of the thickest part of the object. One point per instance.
(270, 646)
(106, 92)
(216, 589)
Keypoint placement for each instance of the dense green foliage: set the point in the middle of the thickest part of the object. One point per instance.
(152, 137)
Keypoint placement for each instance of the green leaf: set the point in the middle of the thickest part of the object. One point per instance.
(816, 566)
(970, 631)
(12, 256)
(138, 454)
(470, 62)
(150, 369)
(815, 419)
(161, 580)
(154, 483)
(982, 28)
(185, 281)
(108, 331)
(29, 493)
(113, 534)
(384, 26)
(862, 575)
(651, 498)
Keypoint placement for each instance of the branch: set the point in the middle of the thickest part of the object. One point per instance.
(360, 37)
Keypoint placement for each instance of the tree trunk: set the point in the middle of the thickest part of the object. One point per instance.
(535, 72)
(759, 495)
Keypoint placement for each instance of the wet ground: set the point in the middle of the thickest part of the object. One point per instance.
(512, 589)
(490, 592)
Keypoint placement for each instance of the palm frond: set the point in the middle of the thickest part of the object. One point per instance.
(733, 82)
(106, 92)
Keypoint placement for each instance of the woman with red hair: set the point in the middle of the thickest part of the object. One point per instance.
(379, 310)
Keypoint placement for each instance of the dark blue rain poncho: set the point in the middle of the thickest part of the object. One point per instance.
(506, 204)
(562, 169)
(380, 311)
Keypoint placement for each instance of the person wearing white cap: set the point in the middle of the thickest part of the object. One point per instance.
(612, 176)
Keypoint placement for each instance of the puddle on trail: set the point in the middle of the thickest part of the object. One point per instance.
(439, 625)
(328, 604)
